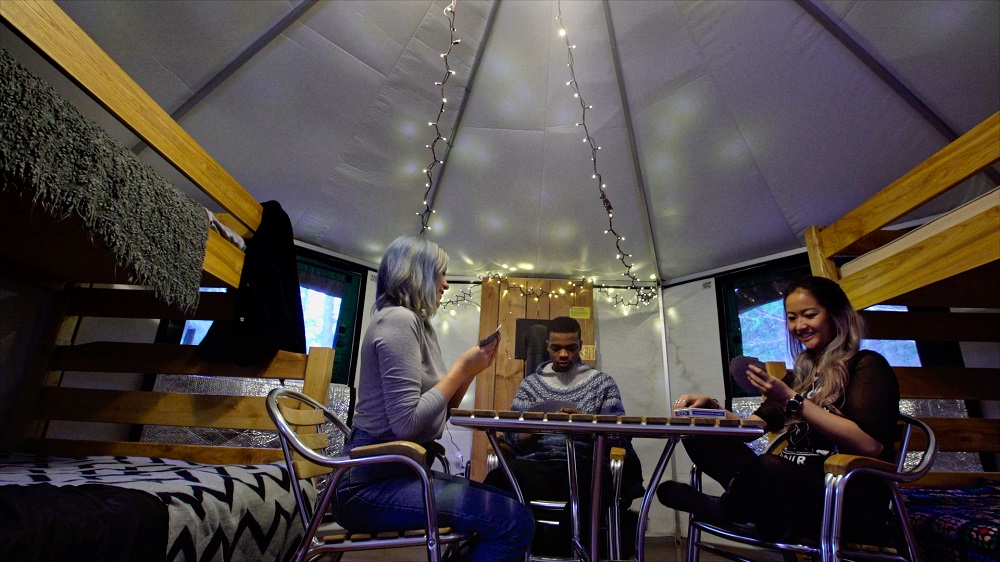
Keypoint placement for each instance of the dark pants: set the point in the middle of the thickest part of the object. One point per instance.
(779, 496)
(549, 480)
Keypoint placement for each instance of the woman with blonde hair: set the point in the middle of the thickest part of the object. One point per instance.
(838, 399)
(405, 392)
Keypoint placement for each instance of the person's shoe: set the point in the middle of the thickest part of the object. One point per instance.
(683, 497)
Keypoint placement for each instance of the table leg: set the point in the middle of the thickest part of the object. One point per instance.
(574, 497)
(491, 434)
(647, 498)
(597, 474)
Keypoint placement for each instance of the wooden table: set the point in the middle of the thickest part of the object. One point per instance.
(600, 428)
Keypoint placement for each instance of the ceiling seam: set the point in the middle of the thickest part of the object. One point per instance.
(887, 77)
(473, 72)
(627, 114)
(544, 130)
(878, 69)
(241, 59)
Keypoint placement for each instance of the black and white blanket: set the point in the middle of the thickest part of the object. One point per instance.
(227, 513)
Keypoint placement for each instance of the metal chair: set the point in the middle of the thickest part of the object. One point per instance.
(840, 468)
(303, 425)
(547, 511)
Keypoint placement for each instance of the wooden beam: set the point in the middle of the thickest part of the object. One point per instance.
(223, 262)
(972, 435)
(489, 318)
(49, 30)
(317, 373)
(933, 326)
(158, 408)
(953, 164)
(960, 241)
(957, 383)
(820, 265)
(118, 357)
(954, 292)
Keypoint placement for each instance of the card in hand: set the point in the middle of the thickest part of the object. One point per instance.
(738, 368)
(489, 339)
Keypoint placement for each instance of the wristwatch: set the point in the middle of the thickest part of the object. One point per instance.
(794, 405)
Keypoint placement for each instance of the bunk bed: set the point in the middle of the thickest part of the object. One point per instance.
(126, 491)
(947, 273)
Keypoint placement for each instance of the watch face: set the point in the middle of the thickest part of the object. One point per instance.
(794, 404)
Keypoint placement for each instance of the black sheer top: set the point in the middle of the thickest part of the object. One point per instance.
(871, 400)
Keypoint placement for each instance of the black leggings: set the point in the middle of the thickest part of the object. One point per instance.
(779, 496)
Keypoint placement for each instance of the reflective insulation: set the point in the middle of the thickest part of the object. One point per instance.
(338, 401)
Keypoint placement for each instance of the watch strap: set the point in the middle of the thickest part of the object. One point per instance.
(794, 405)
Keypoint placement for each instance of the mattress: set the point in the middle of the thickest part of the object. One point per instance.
(139, 508)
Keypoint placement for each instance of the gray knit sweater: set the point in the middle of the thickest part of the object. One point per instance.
(592, 391)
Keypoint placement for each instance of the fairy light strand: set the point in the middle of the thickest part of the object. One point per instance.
(643, 295)
(532, 292)
(465, 296)
(425, 215)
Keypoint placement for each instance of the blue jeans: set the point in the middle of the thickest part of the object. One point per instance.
(504, 527)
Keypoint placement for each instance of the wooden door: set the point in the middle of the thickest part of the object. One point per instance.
(504, 301)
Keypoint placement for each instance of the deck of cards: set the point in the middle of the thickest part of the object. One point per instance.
(699, 413)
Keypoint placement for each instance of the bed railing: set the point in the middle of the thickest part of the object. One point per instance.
(972, 238)
(50, 31)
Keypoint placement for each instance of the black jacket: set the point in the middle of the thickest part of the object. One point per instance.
(268, 309)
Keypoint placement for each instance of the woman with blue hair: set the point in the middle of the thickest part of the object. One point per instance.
(405, 392)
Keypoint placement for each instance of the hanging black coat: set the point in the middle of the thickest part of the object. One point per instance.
(268, 308)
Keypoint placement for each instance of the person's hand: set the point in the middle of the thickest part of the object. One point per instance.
(769, 386)
(570, 411)
(696, 401)
(476, 358)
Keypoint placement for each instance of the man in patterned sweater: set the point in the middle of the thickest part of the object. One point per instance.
(539, 460)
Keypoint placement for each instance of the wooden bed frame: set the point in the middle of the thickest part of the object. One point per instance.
(950, 262)
(60, 40)
(54, 254)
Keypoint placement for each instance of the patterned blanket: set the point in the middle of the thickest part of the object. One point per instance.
(957, 525)
(224, 513)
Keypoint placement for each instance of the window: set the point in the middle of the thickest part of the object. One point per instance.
(753, 318)
(331, 292)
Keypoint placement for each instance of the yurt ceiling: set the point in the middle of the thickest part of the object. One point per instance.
(725, 128)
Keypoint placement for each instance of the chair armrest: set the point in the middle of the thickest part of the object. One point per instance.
(840, 464)
(405, 448)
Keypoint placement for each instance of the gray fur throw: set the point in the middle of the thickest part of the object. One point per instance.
(67, 165)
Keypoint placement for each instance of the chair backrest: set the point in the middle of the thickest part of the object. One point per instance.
(301, 423)
(924, 444)
(534, 345)
(304, 426)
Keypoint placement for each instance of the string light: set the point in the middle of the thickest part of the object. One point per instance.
(643, 295)
(533, 292)
(425, 215)
(464, 296)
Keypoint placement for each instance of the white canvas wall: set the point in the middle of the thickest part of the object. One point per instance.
(694, 362)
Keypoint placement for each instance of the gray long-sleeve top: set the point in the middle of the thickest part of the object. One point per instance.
(400, 364)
